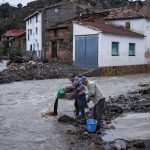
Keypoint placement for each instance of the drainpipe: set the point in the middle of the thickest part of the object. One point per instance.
(43, 35)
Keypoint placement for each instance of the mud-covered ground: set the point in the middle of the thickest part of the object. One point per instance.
(21, 103)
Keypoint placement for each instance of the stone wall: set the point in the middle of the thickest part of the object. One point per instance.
(63, 37)
(19, 42)
(60, 13)
(119, 70)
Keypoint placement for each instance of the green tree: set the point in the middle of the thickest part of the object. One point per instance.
(19, 6)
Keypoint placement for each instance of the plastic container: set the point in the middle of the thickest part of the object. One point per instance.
(91, 125)
(60, 93)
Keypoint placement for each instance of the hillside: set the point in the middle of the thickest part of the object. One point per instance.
(13, 17)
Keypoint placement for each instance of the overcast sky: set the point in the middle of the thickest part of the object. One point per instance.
(15, 2)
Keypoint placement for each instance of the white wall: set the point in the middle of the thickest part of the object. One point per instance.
(105, 57)
(34, 39)
(105, 51)
(138, 25)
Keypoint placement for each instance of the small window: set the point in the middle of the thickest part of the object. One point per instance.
(36, 30)
(37, 46)
(30, 47)
(33, 46)
(39, 53)
(30, 20)
(36, 18)
(30, 31)
(56, 10)
(115, 48)
(28, 34)
(128, 25)
(131, 49)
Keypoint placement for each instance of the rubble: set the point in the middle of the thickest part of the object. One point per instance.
(139, 144)
(36, 71)
(66, 119)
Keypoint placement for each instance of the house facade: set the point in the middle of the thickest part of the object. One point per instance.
(120, 40)
(34, 34)
(139, 25)
(97, 44)
(60, 43)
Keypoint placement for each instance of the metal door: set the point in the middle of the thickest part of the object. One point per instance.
(91, 51)
(86, 51)
(80, 51)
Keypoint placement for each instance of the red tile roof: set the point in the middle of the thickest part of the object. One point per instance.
(14, 33)
(100, 25)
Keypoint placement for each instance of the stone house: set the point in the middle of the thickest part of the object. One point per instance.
(60, 42)
(41, 27)
(15, 39)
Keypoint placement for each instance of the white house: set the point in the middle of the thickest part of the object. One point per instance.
(34, 34)
(131, 20)
(120, 39)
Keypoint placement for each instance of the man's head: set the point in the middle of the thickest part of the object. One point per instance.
(71, 77)
(85, 81)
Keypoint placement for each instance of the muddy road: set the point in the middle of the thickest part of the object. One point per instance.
(21, 103)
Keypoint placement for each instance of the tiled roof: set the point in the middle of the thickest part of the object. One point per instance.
(14, 33)
(100, 25)
(122, 13)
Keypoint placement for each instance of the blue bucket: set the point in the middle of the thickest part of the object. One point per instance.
(91, 125)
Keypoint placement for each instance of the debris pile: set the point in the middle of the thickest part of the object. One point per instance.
(36, 71)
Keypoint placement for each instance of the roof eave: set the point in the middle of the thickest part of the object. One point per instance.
(126, 18)
(37, 12)
(138, 36)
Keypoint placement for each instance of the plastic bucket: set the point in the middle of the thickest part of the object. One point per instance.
(91, 125)
(60, 93)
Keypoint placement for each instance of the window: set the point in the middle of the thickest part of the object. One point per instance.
(115, 48)
(127, 25)
(33, 46)
(28, 34)
(30, 20)
(36, 30)
(56, 10)
(39, 53)
(131, 49)
(36, 18)
(30, 31)
(30, 47)
(37, 46)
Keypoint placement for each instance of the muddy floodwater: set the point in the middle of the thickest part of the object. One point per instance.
(21, 104)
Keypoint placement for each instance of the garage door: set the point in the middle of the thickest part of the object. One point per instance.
(86, 51)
